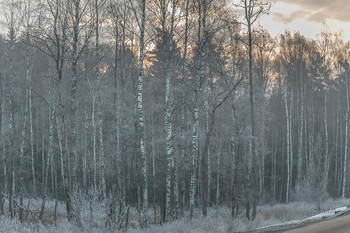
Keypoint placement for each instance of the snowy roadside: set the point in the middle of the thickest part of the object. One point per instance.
(270, 218)
(327, 214)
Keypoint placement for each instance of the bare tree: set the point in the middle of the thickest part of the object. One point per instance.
(168, 115)
(51, 38)
(253, 10)
(140, 110)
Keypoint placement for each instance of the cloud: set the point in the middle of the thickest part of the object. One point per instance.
(321, 10)
(288, 18)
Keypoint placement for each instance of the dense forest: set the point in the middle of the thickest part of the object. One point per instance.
(171, 105)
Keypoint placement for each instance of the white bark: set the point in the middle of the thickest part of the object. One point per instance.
(3, 156)
(183, 142)
(291, 153)
(73, 142)
(274, 168)
(21, 173)
(326, 155)
(195, 125)
(337, 167)
(102, 154)
(85, 166)
(93, 122)
(341, 160)
(48, 159)
(218, 177)
(346, 138)
(288, 141)
(29, 80)
(168, 119)
(11, 124)
(143, 157)
(301, 128)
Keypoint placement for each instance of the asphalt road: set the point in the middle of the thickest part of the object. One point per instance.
(336, 225)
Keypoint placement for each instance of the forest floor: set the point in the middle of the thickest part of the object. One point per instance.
(218, 220)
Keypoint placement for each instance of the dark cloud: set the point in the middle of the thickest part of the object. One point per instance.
(320, 10)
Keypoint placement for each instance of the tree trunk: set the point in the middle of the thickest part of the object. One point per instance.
(168, 120)
(73, 140)
(48, 159)
(301, 130)
(3, 182)
(337, 167)
(21, 159)
(218, 177)
(93, 121)
(288, 142)
(102, 153)
(346, 137)
(182, 136)
(142, 149)
(252, 110)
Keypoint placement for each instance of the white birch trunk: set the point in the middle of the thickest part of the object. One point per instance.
(195, 126)
(59, 137)
(98, 77)
(11, 124)
(143, 157)
(306, 136)
(218, 177)
(288, 141)
(85, 167)
(209, 173)
(194, 153)
(93, 122)
(168, 120)
(21, 159)
(29, 80)
(346, 138)
(75, 55)
(341, 160)
(274, 167)
(300, 145)
(326, 155)
(48, 159)
(183, 142)
(336, 170)
(102, 154)
(291, 137)
(176, 187)
(3, 156)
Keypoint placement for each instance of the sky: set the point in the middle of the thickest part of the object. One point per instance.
(308, 16)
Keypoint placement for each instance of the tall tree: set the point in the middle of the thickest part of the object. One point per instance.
(253, 10)
(51, 38)
(141, 130)
(168, 114)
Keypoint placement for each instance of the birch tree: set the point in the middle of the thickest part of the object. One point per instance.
(183, 96)
(324, 44)
(346, 130)
(141, 130)
(52, 40)
(198, 87)
(77, 10)
(98, 10)
(13, 23)
(168, 115)
(253, 10)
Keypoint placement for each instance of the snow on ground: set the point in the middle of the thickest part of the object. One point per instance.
(341, 209)
(322, 215)
(219, 220)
